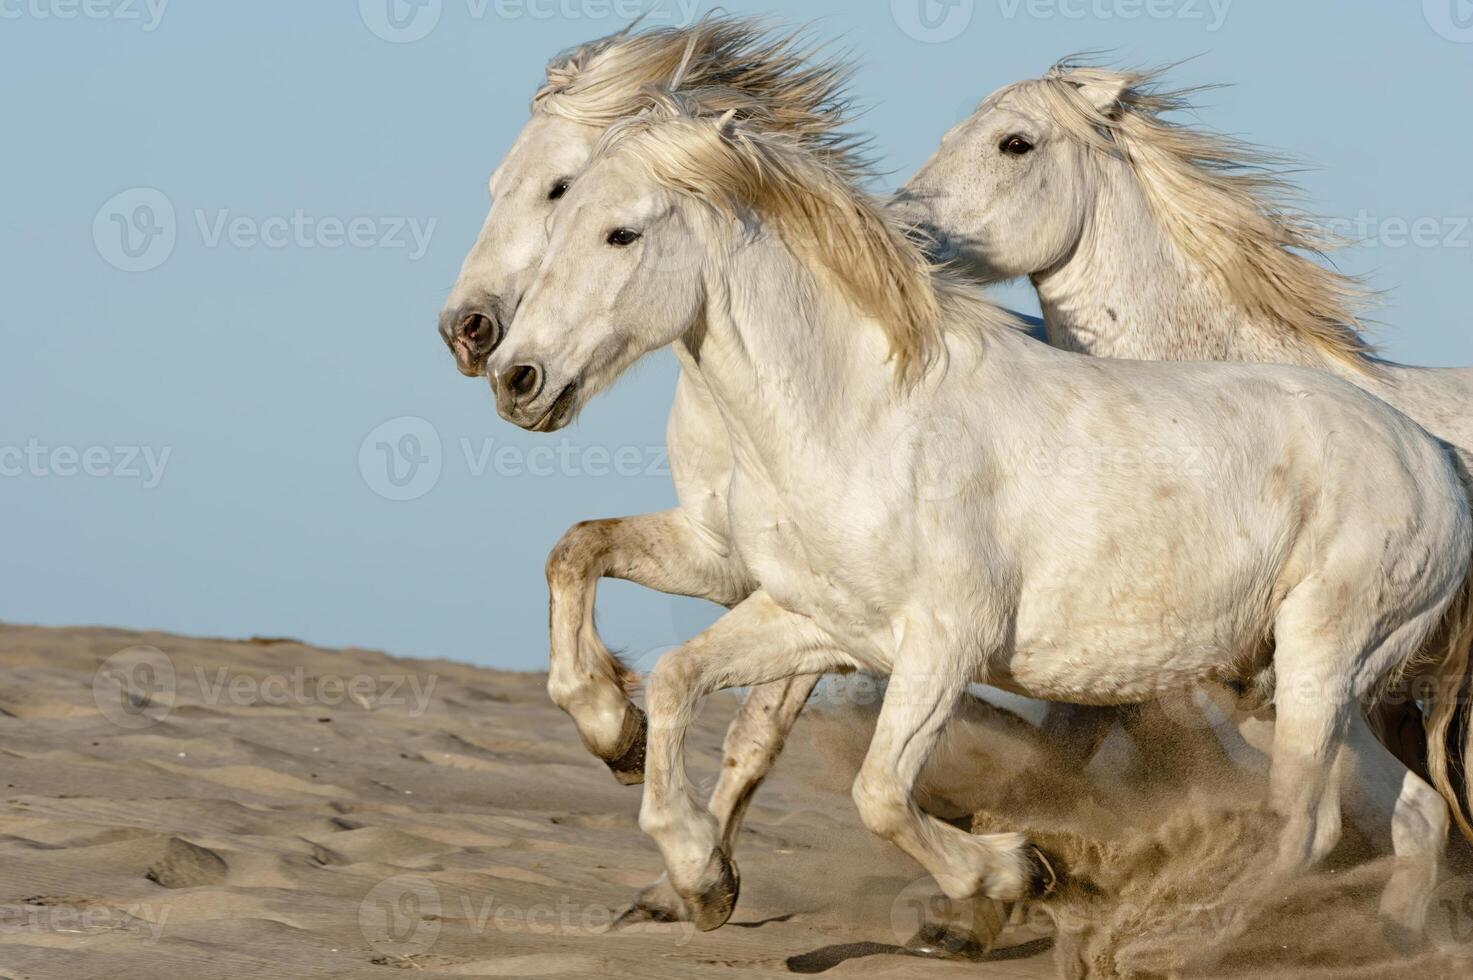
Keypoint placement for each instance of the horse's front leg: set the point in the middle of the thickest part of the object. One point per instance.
(662, 551)
(924, 689)
(753, 743)
(757, 642)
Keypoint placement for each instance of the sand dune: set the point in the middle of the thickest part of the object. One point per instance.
(188, 808)
(304, 813)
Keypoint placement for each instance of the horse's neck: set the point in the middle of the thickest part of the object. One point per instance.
(1128, 291)
(781, 357)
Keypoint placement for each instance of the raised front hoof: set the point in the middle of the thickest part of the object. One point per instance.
(656, 903)
(713, 906)
(628, 768)
(946, 941)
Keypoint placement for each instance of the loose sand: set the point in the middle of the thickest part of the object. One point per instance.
(268, 809)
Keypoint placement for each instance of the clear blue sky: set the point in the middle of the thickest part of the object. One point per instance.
(280, 307)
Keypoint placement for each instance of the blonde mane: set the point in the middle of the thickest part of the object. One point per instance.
(779, 81)
(820, 213)
(1224, 203)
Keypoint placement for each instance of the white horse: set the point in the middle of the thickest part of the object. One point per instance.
(884, 421)
(1147, 239)
(722, 63)
(1150, 240)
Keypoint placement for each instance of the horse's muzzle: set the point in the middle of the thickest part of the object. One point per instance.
(473, 332)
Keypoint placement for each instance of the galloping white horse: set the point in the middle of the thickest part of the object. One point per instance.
(1147, 239)
(722, 63)
(884, 421)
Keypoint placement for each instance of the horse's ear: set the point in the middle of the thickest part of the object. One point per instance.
(678, 78)
(1105, 94)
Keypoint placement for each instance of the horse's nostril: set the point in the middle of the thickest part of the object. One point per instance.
(476, 328)
(523, 380)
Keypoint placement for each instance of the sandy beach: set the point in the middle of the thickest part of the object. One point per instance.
(192, 808)
(297, 812)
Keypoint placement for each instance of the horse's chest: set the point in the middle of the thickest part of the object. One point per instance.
(792, 555)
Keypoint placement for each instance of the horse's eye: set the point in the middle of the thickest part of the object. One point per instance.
(622, 237)
(559, 189)
(1016, 145)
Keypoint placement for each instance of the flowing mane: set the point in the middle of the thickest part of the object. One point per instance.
(779, 80)
(819, 211)
(1224, 203)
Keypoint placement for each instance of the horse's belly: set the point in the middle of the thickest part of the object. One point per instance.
(1120, 655)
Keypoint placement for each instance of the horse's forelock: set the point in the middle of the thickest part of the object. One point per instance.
(778, 79)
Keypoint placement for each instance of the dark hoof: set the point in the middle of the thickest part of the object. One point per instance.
(946, 941)
(1045, 878)
(628, 768)
(710, 909)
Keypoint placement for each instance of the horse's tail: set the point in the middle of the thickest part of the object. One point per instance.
(1450, 721)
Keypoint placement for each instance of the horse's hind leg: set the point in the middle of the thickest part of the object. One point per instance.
(661, 551)
(1383, 796)
(1328, 655)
